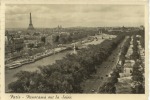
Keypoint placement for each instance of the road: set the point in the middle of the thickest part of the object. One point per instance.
(92, 84)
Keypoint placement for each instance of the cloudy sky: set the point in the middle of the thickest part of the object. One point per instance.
(69, 15)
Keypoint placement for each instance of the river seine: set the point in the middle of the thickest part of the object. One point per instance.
(9, 74)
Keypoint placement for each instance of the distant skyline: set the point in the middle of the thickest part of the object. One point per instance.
(72, 15)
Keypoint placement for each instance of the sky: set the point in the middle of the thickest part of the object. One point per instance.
(72, 15)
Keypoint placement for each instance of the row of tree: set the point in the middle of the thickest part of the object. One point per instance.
(138, 79)
(142, 39)
(124, 50)
(72, 36)
(66, 75)
(109, 85)
(138, 70)
(135, 55)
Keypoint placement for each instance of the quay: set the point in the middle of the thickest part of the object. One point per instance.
(34, 58)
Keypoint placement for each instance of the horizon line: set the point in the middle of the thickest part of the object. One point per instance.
(73, 27)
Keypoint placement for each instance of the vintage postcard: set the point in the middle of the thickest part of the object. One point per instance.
(72, 50)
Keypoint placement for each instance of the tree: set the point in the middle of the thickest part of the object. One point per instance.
(31, 45)
(43, 39)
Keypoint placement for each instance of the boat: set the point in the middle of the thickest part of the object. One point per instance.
(15, 65)
(31, 60)
(34, 58)
(26, 61)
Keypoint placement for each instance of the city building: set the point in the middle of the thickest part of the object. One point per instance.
(13, 43)
(49, 39)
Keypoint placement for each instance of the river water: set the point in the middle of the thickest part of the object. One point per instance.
(9, 74)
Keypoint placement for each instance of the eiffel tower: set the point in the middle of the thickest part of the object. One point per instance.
(30, 24)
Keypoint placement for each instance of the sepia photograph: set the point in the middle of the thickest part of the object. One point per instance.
(75, 48)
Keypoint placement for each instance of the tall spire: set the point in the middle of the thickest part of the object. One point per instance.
(30, 19)
(30, 24)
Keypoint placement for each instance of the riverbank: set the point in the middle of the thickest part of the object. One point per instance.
(46, 53)
(38, 56)
(34, 58)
